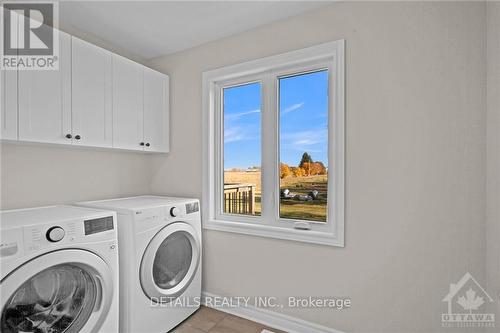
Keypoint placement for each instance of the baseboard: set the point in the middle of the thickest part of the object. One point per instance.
(273, 319)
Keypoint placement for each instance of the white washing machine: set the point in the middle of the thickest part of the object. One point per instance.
(59, 270)
(160, 260)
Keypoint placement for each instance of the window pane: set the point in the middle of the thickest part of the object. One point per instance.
(242, 149)
(303, 116)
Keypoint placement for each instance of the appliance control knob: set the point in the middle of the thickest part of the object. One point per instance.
(174, 211)
(55, 234)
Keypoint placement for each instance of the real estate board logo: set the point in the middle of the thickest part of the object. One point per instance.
(466, 303)
(30, 39)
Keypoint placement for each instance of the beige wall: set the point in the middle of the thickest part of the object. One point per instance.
(415, 206)
(493, 188)
(35, 175)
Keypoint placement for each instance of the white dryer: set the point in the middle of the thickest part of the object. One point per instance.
(59, 270)
(160, 260)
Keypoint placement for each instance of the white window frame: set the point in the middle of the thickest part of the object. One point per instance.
(269, 224)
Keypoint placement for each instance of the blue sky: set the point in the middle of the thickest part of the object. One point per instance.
(303, 110)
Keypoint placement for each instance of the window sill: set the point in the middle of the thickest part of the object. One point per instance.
(307, 236)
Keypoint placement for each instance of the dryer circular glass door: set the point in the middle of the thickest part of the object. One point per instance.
(62, 291)
(170, 262)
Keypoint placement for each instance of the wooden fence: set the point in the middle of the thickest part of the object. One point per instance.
(239, 198)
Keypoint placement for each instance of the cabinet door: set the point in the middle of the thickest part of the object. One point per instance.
(8, 98)
(91, 95)
(45, 100)
(8, 104)
(156, 111)
(127, 104)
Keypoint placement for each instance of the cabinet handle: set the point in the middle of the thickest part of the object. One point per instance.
(68, 136)
(78, 137)
(141, 144)
(147, 144)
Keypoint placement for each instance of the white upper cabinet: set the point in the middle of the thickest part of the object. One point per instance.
(91, 84)
(8, 104)
(95, 99)
(45, 100)
(156, 121)
(127, 104)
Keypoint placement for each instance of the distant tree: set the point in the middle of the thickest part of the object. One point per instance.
(306, 158)
(318, 168)
(298, 172)
(314, 168)
(285, 170)
(234, 170)
(307, 167)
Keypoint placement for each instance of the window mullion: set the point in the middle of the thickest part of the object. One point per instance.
(269, 151)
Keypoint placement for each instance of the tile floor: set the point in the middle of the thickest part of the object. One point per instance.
(207, 320)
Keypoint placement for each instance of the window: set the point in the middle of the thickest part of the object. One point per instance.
(274, 152)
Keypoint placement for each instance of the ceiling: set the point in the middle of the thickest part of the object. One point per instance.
(155, 28)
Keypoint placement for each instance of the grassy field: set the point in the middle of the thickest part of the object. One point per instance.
(290, 208)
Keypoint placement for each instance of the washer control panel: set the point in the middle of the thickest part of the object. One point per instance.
(55, 234)
(174, 211)
(192, 207)
(29, 231)
(11, 243)
(38, 237)
(101, 224)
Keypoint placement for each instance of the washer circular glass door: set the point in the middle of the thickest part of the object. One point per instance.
(56, 293)
(169, 263)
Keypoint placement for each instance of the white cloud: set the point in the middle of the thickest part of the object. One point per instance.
(292, 108)
(305, 139)
(306, 142)
(233, 134)
(235, 116)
